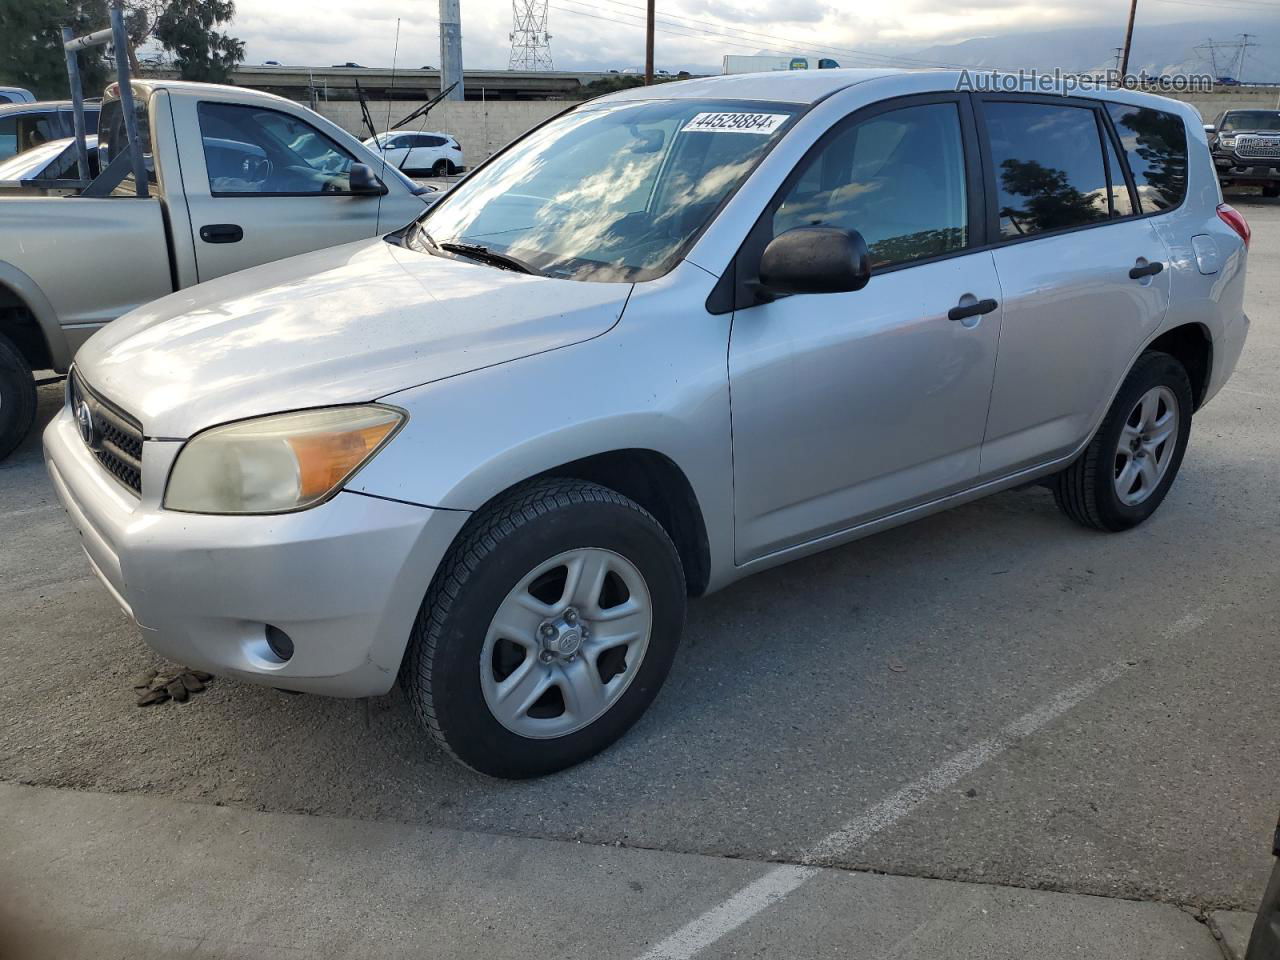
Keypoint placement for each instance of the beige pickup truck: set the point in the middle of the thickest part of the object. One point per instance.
(236, 178)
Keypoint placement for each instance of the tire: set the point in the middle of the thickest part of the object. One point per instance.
(1087, 491)
(440, 169)
(17, 397)
(461, 656)
(1271, 191)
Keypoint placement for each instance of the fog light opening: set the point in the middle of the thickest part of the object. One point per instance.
(281, 643)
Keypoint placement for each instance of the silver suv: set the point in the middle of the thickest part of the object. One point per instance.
(672, 337)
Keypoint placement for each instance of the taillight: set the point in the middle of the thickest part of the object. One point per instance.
(1236, 221)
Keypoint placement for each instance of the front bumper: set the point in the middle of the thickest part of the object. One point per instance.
(1245, 170)
(344, 580)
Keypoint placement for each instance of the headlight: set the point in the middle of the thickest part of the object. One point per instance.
(279, 463)
(1228, 142)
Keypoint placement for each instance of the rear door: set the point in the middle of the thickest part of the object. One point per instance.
(1083, 274)
(264, 184)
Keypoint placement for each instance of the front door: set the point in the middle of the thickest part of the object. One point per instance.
(851, 406)
(272, 186)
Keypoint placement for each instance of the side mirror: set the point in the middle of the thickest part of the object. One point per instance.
(1210, 128)
(815, 260)
(364, 183)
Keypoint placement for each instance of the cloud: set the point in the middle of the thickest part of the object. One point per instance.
(693, 34)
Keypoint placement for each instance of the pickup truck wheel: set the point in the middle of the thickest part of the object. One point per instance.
(17, 397)
(1271, 190)
(1129, 466)
(548, 630)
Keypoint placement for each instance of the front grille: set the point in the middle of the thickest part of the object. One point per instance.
(1261, 148)
(112, 436)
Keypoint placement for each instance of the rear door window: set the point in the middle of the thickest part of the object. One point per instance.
(8, 136)
(1121, 201)
(1155, 144)
(1048, 167)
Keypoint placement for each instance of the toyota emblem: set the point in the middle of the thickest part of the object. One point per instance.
(84, 420)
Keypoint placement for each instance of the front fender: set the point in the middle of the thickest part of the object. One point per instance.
(471, 437)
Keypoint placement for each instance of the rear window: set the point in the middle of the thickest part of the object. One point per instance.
(1048, 167)
(1155, 144)
(113, 140)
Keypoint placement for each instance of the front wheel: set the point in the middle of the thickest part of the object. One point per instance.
(1129, 466)
(548, 630)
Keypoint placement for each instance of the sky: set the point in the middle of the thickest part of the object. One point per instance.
(693, 34)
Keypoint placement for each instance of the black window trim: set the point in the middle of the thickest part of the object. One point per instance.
(739, 283)
(241, 194)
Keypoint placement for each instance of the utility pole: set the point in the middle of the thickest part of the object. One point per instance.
(451, 49)
(1128, 38)
(648, 44)
(1118, 52)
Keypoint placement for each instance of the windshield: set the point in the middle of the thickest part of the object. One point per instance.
(613, 192)
(1252, 120)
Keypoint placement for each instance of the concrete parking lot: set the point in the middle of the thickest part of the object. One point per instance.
(991, 695)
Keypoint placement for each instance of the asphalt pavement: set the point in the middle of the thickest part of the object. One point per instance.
(991, 696)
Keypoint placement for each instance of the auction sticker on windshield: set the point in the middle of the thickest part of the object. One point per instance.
(764, 123)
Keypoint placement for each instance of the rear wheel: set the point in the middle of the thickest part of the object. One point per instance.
(1271, 190)
(17, 397)
(548, 630)
(1129, 466)
(440, 169)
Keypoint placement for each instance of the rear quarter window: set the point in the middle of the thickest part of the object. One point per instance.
(1155, 145)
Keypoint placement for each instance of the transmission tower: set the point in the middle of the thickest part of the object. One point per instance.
(1226, 55)
(530, 42)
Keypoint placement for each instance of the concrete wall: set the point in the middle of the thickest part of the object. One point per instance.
(481, 127)
(1232, 98)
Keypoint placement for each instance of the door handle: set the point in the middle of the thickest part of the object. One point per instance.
(976, 309)
(1150, 270)
(221, 233)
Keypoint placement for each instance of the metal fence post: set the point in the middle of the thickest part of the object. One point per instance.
(77, 103)
(121, 41)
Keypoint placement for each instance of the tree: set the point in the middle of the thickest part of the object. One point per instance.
(1049, 199)
(185, 28)
(31, 53)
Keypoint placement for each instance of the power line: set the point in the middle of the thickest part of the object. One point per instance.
(744, 39)
(802, 44)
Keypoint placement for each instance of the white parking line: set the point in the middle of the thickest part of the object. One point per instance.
(727, 916)
(720, 920)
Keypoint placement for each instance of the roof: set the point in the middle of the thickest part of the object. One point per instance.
(787, 86)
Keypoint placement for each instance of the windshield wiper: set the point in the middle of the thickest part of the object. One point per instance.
(482, 253)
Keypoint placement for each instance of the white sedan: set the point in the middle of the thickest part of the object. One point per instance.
(437, 154)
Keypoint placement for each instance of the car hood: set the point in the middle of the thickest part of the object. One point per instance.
(341, 325)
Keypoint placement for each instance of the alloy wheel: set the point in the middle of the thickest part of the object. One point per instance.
(1146, 447)
(565, 643)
